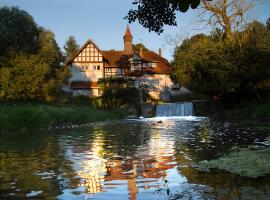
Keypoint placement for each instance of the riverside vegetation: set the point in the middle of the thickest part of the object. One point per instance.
(32, 70)
(23, 117)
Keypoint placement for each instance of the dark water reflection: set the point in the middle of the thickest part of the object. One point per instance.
(128, 160)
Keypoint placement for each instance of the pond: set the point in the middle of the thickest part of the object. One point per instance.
(128, 159)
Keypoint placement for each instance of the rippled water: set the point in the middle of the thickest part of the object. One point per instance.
(129, 159)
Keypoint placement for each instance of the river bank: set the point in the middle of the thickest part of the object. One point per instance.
(20, 117)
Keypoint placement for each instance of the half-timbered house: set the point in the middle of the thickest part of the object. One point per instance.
(143, 67)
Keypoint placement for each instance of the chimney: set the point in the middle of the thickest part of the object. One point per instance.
(128, 41)
(141, 51)
(160, 52)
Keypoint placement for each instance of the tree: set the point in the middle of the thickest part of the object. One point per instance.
(71, 47)
(154, 14)
(229, 15)
(138, 46)
(18, 31)
(217, 67)
(29, 70)
(49, 53)
(268, 23)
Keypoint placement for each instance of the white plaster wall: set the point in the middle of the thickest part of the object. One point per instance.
(77, 74)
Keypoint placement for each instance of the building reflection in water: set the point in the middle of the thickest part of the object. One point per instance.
(142, 169)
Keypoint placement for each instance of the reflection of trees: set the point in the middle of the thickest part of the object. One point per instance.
(36, 163)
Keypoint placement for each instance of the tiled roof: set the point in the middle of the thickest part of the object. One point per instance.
(163, 66)
(114, 59)
(83, 85)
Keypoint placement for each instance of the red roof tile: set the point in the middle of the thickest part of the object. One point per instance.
(115, 58)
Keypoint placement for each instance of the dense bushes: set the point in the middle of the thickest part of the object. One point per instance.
(40, 116)
(119, 92)
(214, 66)
(30, 59)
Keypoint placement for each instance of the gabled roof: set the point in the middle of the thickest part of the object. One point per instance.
(163, 65)
(82, 48)
(115, 57)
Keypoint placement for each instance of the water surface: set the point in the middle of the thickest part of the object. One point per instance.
(128, 159)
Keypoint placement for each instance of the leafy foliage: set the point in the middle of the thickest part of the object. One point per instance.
(117, 92)
(71, 47)
(30, 59)
(138, 46)
(42, 116)
(18, 31)
(154, 14)
(211, 65)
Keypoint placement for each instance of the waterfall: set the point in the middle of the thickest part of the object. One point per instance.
(174, 109)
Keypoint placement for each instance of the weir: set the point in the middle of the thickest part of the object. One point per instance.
(174, 109)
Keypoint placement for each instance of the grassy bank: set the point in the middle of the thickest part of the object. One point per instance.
(40, 116)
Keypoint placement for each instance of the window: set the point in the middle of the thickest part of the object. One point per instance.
(135, 66)
(98, 67)
(155, 83)
(86, 67)
(94, 67)
(82, 67)
(154, 64)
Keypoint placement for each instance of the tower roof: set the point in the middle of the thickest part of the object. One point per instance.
(128, 32)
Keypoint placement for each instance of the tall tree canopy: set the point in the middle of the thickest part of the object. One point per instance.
(214, 66)
(228, 15)
(71, 47)
(29, 59)
(154, 14)
(18, 31)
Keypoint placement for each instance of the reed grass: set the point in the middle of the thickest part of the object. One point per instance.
(40, 116)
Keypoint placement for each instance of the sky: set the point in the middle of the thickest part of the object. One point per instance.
(102, 21)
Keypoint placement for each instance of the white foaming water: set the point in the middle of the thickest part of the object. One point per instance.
(174, 109)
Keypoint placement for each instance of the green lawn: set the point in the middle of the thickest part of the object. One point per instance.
(41, 116)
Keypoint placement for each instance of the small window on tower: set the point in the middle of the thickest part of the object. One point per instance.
(98, 67)
(86, 67)
(82, 67)
(94, 67)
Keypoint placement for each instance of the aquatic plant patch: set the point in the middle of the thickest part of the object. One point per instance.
(253, 162)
